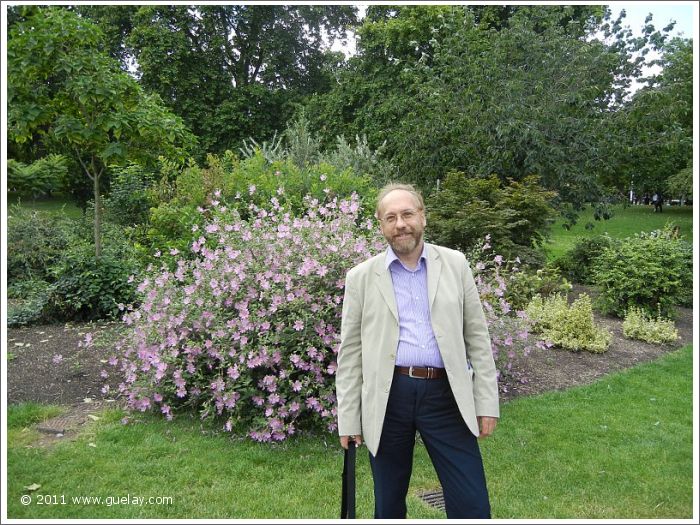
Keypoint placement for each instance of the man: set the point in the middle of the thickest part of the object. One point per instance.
(415, 354)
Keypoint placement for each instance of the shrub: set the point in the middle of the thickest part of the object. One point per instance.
(240, 182)
(652, 271)
(526, 284)
(466, 209)
(248, 328)
(577, 263)
(41, 177)
(569, 327)
(91, 288)
(28, 302)
(638, 325)
(300, 146)
(85, 287)
(509, 327)
(361, 159)
(128, 202)
(35, 242)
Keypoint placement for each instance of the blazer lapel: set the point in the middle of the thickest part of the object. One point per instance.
(434, 270)
(386, 286)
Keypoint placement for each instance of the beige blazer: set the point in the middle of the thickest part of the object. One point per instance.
(370, 333)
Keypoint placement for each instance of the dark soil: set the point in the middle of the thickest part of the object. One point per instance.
(75, 379)
(33, 375)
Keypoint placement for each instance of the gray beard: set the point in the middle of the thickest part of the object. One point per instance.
(405, 246)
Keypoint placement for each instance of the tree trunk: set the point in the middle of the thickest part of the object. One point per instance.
(98, 214)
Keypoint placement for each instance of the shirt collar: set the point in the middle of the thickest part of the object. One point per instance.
(391, 256)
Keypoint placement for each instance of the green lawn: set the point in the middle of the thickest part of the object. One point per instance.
(55, 204)
(620, 448)
(626, 222)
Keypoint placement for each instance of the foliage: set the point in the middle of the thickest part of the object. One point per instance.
(465, 209)
(527, 283)
(67, 94)
(28, 302)
(627, 221)
(652, 271)
(509, 327)
(510, 91)
(304, 149)
(175, 221)
(681, 184)
(128, 202)
(41, 177)
(578, 262)
(85, 287)
(361, 158)
(272, 151)
(54, 275)
(638, 325)
(655, 129)
(234, 71)
(35, 242)
(247, 328)
(570, 327)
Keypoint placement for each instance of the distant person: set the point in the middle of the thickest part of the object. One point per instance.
(646, 199)
(657, 200)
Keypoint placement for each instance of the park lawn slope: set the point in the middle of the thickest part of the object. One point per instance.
(625, 222)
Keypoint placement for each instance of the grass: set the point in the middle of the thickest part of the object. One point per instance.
(57, 204)
(21, 419)
(625, 222)
(619, 448)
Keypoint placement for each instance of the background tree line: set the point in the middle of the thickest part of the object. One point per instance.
(509, 91)
(503, 115)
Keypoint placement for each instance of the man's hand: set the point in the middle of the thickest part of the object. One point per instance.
(487, 425)
(345, 439)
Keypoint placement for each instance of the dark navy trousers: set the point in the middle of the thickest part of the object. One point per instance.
(428, 406)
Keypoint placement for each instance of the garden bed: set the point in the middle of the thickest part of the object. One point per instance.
(34, 376)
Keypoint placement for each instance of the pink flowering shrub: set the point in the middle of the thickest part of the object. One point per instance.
(245, 328)
(510, 329)
(248, 329)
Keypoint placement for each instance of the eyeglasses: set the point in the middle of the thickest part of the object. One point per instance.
(406, 216)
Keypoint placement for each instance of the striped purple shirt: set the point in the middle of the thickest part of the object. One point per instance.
(417, 343)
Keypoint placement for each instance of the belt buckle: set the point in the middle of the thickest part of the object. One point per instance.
(410, 373)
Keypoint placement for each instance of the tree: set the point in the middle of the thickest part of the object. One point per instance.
(655, 128)
(511, 91)
(681, 183)
(230, 71)
(65, 92)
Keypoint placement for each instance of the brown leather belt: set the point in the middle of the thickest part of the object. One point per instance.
(422, 373)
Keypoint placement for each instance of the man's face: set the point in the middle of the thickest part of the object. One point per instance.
(402, 222)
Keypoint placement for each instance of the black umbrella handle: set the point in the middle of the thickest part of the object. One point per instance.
(347, 505)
